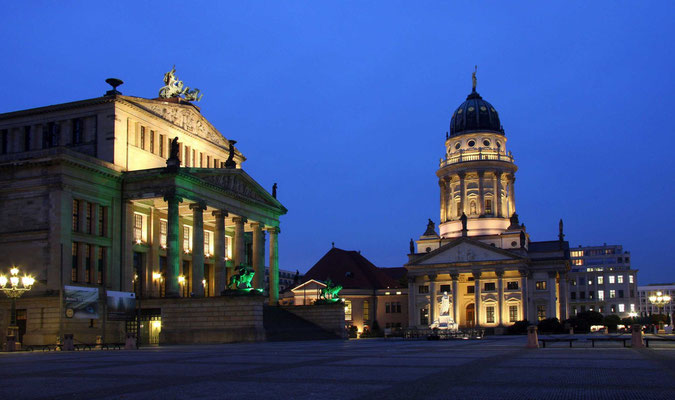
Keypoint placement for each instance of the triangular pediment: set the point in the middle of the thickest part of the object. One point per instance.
(309, 285)
(184, 116)
(238, 182)
(464, 250)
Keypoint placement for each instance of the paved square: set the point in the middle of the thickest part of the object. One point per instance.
(498, 367)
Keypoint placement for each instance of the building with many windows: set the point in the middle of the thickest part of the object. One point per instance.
(127, 194)
(646, 307)
(481, 269)
(601, 279)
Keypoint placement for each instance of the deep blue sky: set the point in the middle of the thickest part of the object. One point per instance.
(346, 105)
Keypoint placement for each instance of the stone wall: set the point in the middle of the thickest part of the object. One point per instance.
(330, 317)
(221, 319)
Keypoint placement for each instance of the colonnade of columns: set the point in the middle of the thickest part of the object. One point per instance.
(221, 273)
(503, 197)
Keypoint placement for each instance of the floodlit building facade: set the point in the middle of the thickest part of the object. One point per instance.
(647, 308)
(481, 269)
(601, 279)
(91, 199)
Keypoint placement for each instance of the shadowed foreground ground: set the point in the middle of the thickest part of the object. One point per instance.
(493, 368)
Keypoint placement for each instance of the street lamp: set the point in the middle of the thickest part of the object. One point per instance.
(14, 291)
(659, 300)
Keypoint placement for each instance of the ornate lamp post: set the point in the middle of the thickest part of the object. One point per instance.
(659, 300)
(14, 291)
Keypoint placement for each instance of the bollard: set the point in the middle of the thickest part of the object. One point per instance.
(532, 338)
(68, 343)
(130, 344)
(637, 341)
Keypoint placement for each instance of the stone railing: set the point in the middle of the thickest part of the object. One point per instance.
(481, 154)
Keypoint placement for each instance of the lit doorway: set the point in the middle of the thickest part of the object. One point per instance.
(470, 315)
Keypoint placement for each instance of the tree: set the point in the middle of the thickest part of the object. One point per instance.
(611, 322)
(550, 325)
(518, 328)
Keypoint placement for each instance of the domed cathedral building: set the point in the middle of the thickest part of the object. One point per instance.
(481, 269)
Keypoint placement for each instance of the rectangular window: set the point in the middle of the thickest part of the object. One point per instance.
(73, 267)
(591, 294)
(513, 313)
(194, 158)
(387, 308)
(513, 285)
(541, 313)
(621, 294)
(488, 206)
(161, 145)
(207, 242)
(26, 138)
(208, 161)
(201, 160)
(142, 138)
(366, 311)
(76, 215)
(445, 289)
(87, 263)
(424, 316)
(152, 142)
(99, 265)
(622, 308)
(582, 295)
(489, 287)
(611, 279)
(600, 280)
(187, 156)
(162, 233)
(4, 141)
(348, 310)
(186, 238)
(50, 135)
(470, 289)
(89, 211)
(601, 295)
(632, 307)
(102, 213)
(619, 279)
(423, 289)
(489, 314)
(215, 162)
(77, 137)
(573, 295)
(582, 281)
(612, 294)
(138, 228)
(630, 279)
(612, 309)
(540, 285)
(396, 307)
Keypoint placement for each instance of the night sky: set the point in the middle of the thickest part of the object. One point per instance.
(346, 105)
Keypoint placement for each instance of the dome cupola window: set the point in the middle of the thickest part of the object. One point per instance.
(471, 143)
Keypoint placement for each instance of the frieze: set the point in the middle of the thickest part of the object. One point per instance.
(234, 184)
(187, 120)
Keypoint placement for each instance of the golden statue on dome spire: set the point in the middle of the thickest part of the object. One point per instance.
(473, 78)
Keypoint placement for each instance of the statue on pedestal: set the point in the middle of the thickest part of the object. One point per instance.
(230, 163)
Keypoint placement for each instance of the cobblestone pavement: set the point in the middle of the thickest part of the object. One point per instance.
(494, 368)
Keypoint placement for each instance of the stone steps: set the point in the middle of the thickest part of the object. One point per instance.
(281, 325)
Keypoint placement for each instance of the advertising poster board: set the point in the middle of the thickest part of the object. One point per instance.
(121, 306)
(81, 302)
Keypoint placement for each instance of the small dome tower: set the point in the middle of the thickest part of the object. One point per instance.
(477, 174)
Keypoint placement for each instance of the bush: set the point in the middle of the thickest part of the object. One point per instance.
(518, 328)
(550, 325)
(352, 332)
(611, 322)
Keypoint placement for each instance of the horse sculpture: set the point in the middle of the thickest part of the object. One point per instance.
(243, 278)
(330, 292)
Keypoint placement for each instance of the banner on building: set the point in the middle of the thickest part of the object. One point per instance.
(121, 306)
(81, 302)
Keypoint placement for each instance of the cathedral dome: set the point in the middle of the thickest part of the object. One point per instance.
(475, 115)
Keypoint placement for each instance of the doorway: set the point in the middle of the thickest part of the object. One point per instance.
(470, 315)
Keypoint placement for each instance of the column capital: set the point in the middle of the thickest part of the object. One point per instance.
(171, 195)
(476, 274)
(454, 276)
(198, 205)
(219, 213)
(411, 279)
(461, 175)
(499, 273)
(256, 225)
(239, 220)
(273, 229)
(481, 173)
(432, 277)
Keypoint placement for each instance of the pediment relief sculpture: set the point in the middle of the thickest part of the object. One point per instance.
(187, 119)
(234, 184)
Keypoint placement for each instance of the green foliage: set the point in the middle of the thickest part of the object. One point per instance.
(582, 322)
(550, 325)
(518, 328)
(656, 318)
(611, 322)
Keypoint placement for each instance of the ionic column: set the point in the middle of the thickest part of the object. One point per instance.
(274, 265)
(412, 311)
(481, 194)
(455, 297)
(198, 248)
(432, 298)
(498, 196)
(258, 255)
(477, 302)
(552, 295)
(172, 246)
(238, 250)
(563, 298)
(219, 274)
(128, 253)
(512, 195)
(500, 293)
(444, 202)
(462, 193)
(524, 294)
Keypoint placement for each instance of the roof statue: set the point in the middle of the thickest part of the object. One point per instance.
(473, 78)
(431, 229)
(465, 221)
(175, 88)
(412, 246)
(561, 235)
(173, 162)
(230, 163)
(274, 190)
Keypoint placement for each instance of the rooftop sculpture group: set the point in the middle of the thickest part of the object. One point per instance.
(175, 88)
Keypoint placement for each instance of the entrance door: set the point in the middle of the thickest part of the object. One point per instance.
(21, 317)
(470, 315)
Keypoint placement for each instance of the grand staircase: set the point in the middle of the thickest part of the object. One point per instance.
(281, 326)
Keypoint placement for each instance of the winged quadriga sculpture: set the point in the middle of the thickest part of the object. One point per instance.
(175, 88)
